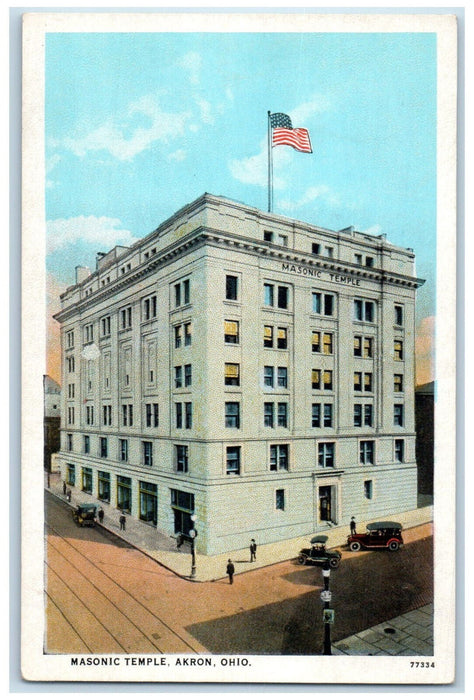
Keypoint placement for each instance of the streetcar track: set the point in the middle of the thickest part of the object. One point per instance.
(122, 588)
(89, 610)
(62, 613)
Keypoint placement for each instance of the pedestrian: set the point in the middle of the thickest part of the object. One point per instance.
(230, 571)
(122, 521)
(179, 540)
(64, 488)
(353, 526)
(253, 550)
(68, 495)
(101, 515)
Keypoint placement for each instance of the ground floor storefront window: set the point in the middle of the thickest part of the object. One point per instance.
(87, 480)
(71, 474)
(124, 493)
(104, 486)
(148, 494)
(182, 504)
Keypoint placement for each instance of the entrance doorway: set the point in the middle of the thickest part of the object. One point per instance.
(325, 504)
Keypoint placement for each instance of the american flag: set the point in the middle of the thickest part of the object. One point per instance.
(283, 133)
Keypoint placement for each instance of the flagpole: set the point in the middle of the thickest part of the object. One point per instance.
(270, 165)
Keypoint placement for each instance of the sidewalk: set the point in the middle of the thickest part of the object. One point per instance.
(410, 634)
(162, 548)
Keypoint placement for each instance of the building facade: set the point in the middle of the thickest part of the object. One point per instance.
(246, 368)
(51, 419)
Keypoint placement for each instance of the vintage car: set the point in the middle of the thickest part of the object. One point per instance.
(380, 535)
(318, 555)
(85, 514)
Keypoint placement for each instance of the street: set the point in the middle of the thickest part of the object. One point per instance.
(104, 596)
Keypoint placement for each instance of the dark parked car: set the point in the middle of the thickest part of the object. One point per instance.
(85, 514)
(380, 535)
(318, 555)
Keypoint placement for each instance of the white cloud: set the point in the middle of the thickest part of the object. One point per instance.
(178, 155)
(191, 62)
(87, 229)
(254, 169)
(316, 192)
(301, 115)
(122, 138)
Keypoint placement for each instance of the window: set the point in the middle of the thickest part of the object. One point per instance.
(368, 381)
(398, 414)
(107, 415)
(278, 457)
(280, 499)
(398, 315)
(188, 415)
(179, 415)
(316, 378)
(364, 310)
(367, 378)
(369, 261)
(358, 258)
(178, 335)
(327, 343)
(268, 375)
(366, 452)
(149, 308)
(399, 450)
(103, 486)
(315, 248)
(127, 414)
(71, 364)
(70, 415)
(69, 442)
(398, 382)
(231, 332)
(316, 342)
(188, 375)
(282, 240)
(87, 444)
(368, 414)
(89, 333)
(233, 460)
(104, 447)
(268, 236)
(282, 339)
(151, 415)
(268, 336)
(357, 415)
(316, 415)
(232, 414)
(105, 326)
(327, 380)
(71, 474)
(70, 339)
(282, 379)
(328, 415)
(181, 452)
(363, 347)
(398, 350)
(282, 296)
(126, 318)
(231, 374)
(147, 453)
(89, 415)
(71, 390)
(282, 415)
(123, 450)
(368, 489)
(178, 377)
(182, 293)
(187, 334)
(323, 304)
(86, 480)
(326, 454)
(268, 415)
(231, 287)
(328, 251)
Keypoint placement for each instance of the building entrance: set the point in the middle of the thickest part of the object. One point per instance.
(325, 503)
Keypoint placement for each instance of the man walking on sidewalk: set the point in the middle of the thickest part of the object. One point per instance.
(253, 550)
(122, 521)
(230, 571)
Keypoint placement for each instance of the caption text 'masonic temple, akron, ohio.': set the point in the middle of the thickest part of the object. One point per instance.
(246, 368)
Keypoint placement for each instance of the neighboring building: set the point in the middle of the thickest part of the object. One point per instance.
(52, 419)
(250, 369)
(424, 424)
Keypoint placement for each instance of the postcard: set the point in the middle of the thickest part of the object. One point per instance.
(238, 333)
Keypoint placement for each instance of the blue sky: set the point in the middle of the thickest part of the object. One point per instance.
(137, 125)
